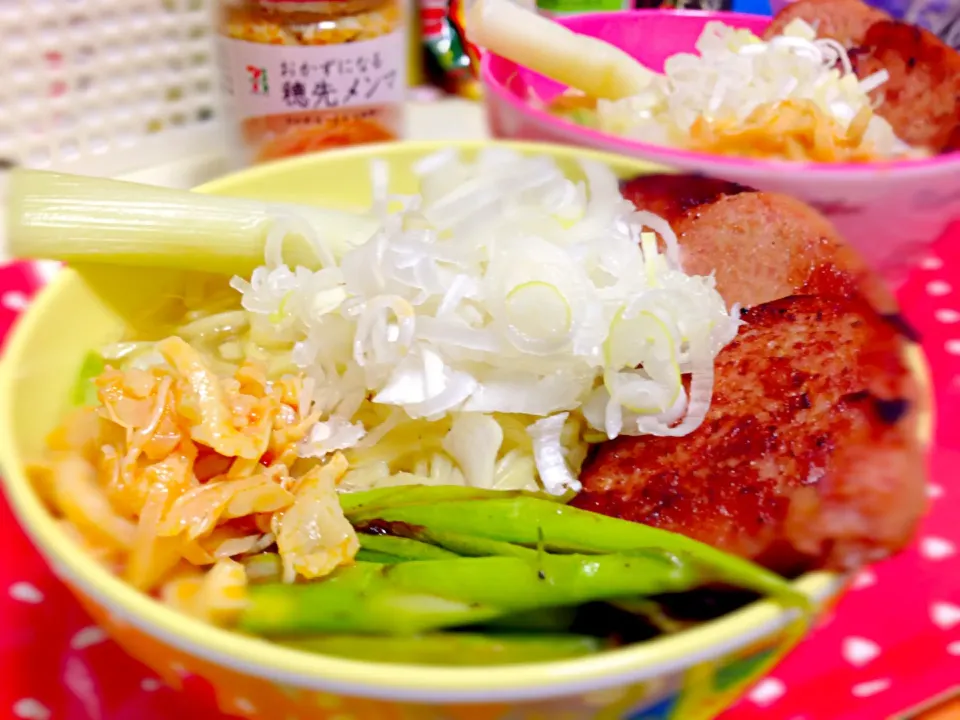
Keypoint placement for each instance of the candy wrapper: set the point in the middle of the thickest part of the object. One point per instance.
(553, 8)
(708, 5)
(452, 62)
(941, 17)
(571, 7)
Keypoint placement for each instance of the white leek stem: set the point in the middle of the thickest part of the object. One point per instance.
(78, 219)
(597, 68)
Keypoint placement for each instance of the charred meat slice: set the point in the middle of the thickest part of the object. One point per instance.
(808, 456)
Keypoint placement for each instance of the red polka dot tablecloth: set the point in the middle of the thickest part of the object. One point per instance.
(890, 648)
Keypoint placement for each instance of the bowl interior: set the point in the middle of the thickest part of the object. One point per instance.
(651, 36)
(88, 306)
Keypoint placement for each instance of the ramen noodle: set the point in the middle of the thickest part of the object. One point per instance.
(304, 76)
(792, 130)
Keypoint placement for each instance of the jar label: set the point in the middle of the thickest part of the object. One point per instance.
(291, 99)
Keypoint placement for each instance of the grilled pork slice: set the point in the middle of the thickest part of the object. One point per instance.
(808, 457)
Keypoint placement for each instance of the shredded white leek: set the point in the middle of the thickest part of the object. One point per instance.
(496, 318)
(733, 72)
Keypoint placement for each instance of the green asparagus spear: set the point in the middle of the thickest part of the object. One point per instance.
(372, 556)
(404, 548)
(522, 520)
(415, 597)
(357, 599)
(455, 544)
(552, 620)
(373, 501)
(517, 584)
(453, 648)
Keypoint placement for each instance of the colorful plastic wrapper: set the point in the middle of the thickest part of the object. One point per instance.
(572, 7)
(452, 62)
(941, 17)
(709, 5)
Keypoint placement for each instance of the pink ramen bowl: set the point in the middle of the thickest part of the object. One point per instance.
(889, 211)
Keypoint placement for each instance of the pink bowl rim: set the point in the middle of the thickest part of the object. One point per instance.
(670, 155)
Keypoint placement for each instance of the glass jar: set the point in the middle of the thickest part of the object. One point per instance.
(301, 76)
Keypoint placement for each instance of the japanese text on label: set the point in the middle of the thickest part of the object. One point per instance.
(335, 83)
(272, 79)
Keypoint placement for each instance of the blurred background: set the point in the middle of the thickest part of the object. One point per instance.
(108, 87)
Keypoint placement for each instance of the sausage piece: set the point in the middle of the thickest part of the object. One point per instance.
(671, 195)
(921, 100)
(765, 246)
(845, 21)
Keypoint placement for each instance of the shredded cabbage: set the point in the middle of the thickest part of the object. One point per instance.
(734, 72)
(496, 318)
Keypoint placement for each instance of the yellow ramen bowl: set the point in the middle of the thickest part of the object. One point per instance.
(691, 675)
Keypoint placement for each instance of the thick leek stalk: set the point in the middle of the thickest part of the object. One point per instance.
(78, 219)
(595, 67)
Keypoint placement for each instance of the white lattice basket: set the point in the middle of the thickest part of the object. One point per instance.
(107, 86)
